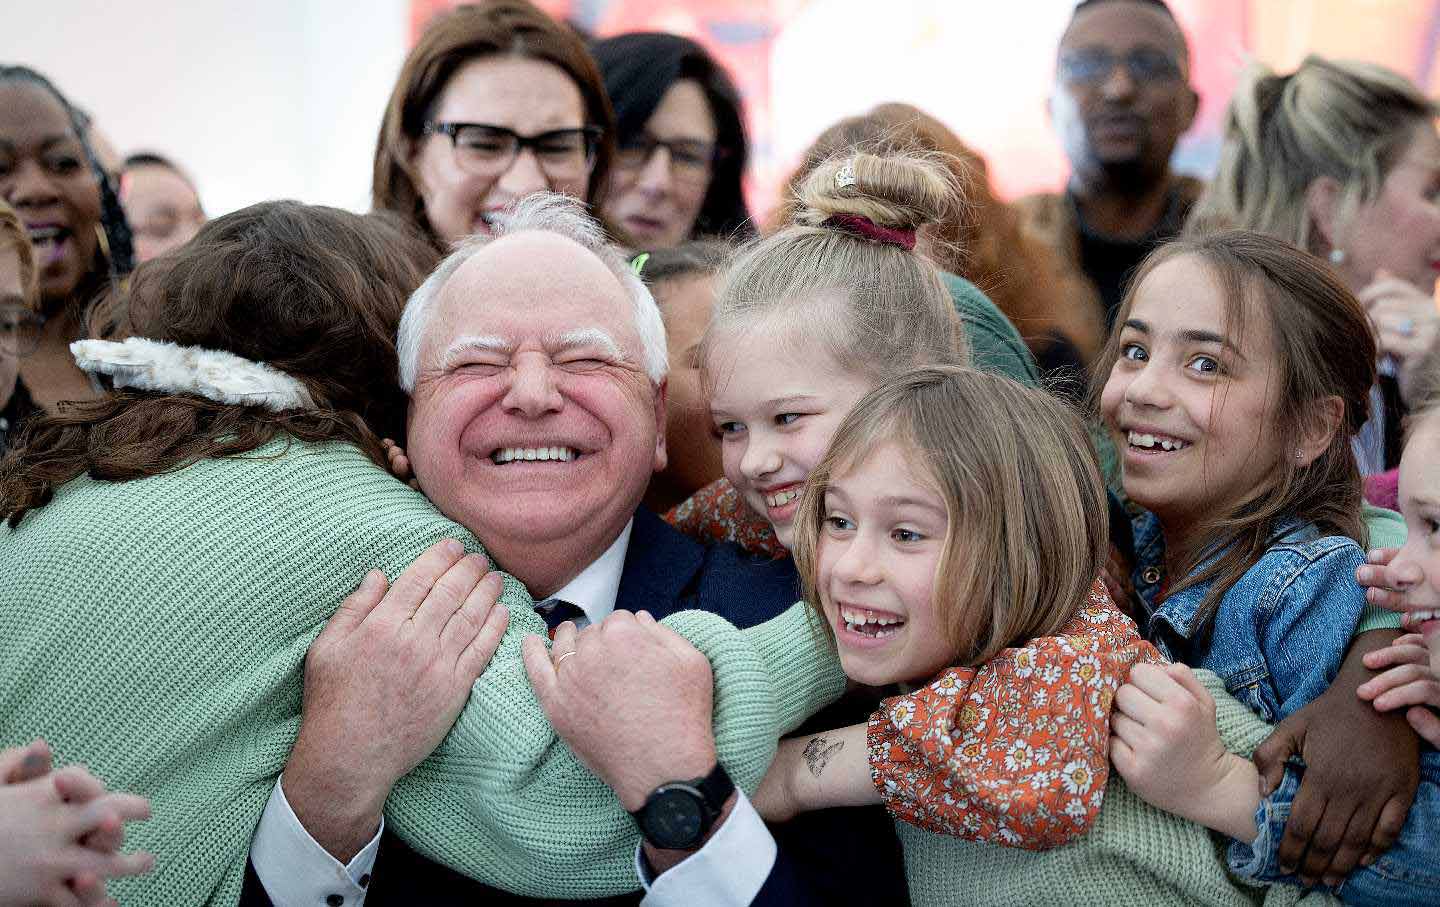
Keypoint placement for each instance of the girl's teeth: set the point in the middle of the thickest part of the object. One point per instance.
(782, 498)
(1150, 442)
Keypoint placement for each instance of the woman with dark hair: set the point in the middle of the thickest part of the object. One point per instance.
(50, 175)
(495, 102)
(672, 96)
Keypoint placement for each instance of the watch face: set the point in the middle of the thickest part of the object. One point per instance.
(673, 818)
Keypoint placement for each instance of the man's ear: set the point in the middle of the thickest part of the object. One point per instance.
(661, 394)
(1326, 417)
(1322, 206)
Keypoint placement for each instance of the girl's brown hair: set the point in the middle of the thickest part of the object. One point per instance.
(875, 307)
(314, 292)
(1027, 532)
(466, 33)
(1324, 349)
(979, 240)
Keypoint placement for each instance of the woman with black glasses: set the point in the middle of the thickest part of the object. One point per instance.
(495, 102)
(681, 140)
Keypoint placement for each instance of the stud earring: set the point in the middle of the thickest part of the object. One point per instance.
(1337, 257)
(1299, 455)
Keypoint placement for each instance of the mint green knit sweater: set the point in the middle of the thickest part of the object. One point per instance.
(1134, 855)
(155, 630)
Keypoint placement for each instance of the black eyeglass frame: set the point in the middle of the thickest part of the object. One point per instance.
(650, 144)
(1137, 62)
(591, 134)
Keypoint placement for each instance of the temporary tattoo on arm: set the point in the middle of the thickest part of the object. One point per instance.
(818, 753)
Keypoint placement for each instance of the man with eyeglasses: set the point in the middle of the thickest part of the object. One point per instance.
(1121, 101)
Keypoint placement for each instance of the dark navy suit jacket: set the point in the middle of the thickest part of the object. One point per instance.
(830, 857)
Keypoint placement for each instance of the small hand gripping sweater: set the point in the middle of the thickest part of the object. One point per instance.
(1134, 854)
(155, 630)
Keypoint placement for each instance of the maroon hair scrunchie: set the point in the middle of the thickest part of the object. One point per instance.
(865, 228)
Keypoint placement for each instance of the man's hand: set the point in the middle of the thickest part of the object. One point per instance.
(633, 701)
(60, 833)
(384, 682)
(1412, 683)
(1347, 810)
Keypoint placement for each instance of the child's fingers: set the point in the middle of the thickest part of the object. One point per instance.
(1384, 598)
(1130, 731)
(1122, 755)
(1155, 681)
(1426, 723)
(1399, 652)
(24, 763)
(1138, 705)
(1182, 674)
(1423, 689)
(1381, 556)
(75, 784)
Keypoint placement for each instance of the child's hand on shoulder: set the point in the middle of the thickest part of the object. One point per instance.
(1164, 743)
(1411, 682)
(1384, 584)
(399, 463)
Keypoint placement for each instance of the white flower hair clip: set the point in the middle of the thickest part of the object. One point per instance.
(845, 177)
(213, 374)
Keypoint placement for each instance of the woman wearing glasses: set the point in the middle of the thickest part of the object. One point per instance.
(19, 321)
(681, 141)
(495, 102)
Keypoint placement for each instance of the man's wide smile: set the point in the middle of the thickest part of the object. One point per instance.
(502, 455)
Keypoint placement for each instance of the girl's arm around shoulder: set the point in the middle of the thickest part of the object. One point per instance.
(1167, 748)
(1015, 751)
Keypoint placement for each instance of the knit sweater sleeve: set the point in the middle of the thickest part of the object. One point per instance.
(1013, 752)
(505, 802)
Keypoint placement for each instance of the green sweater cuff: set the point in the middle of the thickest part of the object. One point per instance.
(1373, 618)
(768, 680)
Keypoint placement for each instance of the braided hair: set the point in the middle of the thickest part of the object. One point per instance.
(116, 242)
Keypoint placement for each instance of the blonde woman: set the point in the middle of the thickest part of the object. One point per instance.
(1342, 159)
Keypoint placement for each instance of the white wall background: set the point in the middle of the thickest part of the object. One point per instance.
(258, 99)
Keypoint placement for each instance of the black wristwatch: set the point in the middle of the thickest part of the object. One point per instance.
(678, 815)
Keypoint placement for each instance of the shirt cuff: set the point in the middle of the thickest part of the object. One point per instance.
(296, 870)
(728, 871)
(1258, 862)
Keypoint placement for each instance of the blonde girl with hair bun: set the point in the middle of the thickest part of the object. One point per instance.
(806, 321)
(1342, 159)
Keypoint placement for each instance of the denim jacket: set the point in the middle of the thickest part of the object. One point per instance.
(1279, 635)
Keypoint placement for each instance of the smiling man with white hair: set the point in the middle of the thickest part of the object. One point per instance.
(535, 363)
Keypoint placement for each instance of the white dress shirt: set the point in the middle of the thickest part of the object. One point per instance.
(296, 870)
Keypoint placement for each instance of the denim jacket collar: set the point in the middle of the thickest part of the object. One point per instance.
(1175, 616)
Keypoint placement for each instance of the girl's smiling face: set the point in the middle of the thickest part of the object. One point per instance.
(1192, 403)
(1420, 557)
(776, 405)
(879, 551)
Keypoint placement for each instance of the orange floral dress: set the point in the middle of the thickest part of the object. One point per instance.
(1014, 752)
(716, 513)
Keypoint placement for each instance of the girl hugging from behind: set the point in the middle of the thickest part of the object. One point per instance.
(951, 538)
(1238, 373)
